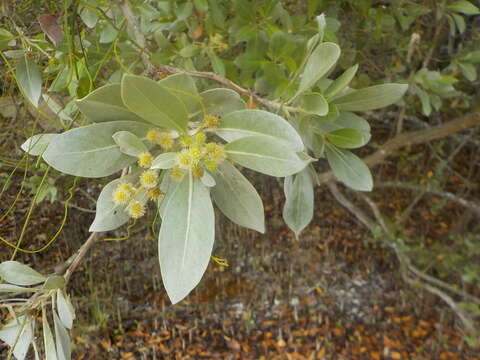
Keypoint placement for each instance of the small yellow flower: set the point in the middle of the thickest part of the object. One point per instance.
(195, 154)
(153, 135)
(183, 159)
(186, 140)
(211, 165)
(165, 140)
(200, 138)
(211, 121)
(145, 160)
(197, 172)
(154, 193)
(128, 187)
(120, 197)
(216, 153)
(148, 179)
(177, 174)
(136, 209)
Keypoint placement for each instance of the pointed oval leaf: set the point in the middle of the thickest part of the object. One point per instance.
(374, 97)
(165, 161)
(323, 58)
(208, 180)
(299, 200)
(48, 341)
(221, 101)
(62, 339)
(129, 143)
(350, 120)
(349, 169)
(108, 215)
(6, 288)
(239, 124)
(29, 79)
(186, 237)
(183, 86)
(90, 151)
(314, 103)
(236, 197)
(266, 155)
(346, 138)
(37, 144)
(65, 309)
(20, 274)
(341, 82)
(154, 103)
(105, 104)
(18, 332)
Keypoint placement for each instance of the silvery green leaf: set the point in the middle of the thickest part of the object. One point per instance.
(18, 333)
(168, 186)
(29, 79)
(208, 180)
(48, 341)
(88, 17)
(322, 24)
(221, 101)
(129, 143)
(350, 120)
(108, 215)
(54, 282)
(154, 103)
(105, 104)
(65, 309)
(266, 155)
(37, 144)
(314, 103)
(236, 197)
(371, 98)
(242, 123)
(62, 339)
(56, 108)
(346, 138)
(341, 82)
(299, 195)
(183, 86)
(186, 237)
(90, 151)
(19, 274)
(322, 59)
(6, 288)
(349, 169)
(165, 161)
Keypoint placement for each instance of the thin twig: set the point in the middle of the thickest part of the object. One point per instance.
(81, 254)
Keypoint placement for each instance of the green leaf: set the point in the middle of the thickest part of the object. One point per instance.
(236, 197)
(90, 151)
(221, 102)
(183, 86)
(18, 332)
(350, 120)
(201, 5)
(6, 288)
(165, 161)
(299, 199)
(266, 155)
(48, 341)
(154, 103)
(370, 98)
(108, 215)
(54, 282)
(89, 18)
(129, 143)
(37, 144)
(341, 82)
(349, 169)
(65, 309)
(105, 104)
(314, 103)
(464, 7)
(239, 124)
(186, 237)
(346, 138)
(29, 79)
(468, 70)
(62, 339)
(20, 274)
(323, 58)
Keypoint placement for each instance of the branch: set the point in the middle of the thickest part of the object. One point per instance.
(80, 255)
(413, 138)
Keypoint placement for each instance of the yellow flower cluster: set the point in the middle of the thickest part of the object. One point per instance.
(145, 160)
(164, 139)
(211, 121)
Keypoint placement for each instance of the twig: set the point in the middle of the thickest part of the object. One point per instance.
(80, 255)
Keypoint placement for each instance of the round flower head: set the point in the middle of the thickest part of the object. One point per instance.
(153, 135)
(149, 179)
(186, 140)
(216, 153)
(177, 174)
(154, 193)
(195, 154)
(211, 165)
(120, 197)
(197, 172)
(165, 140)
(128, 187)
(200, 138)
(136, 209)
(183, 159)
(145, 160)
(211, 121)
